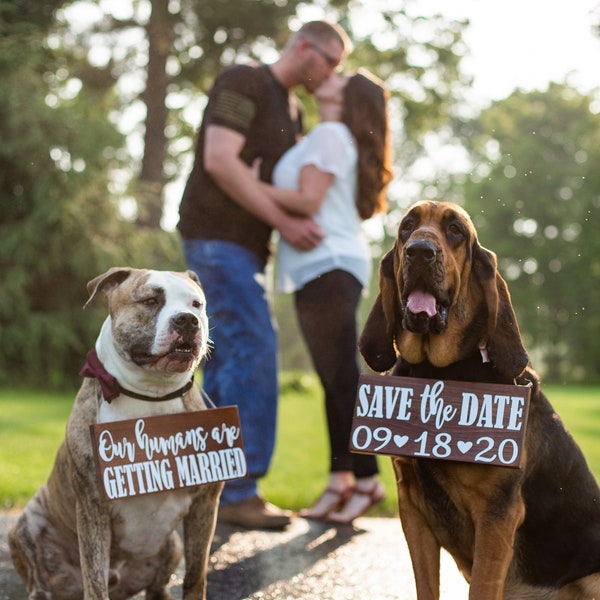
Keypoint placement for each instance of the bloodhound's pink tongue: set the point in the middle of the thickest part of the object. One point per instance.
(419, 302)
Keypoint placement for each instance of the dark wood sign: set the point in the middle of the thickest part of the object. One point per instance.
(168, 452)
(450, 420)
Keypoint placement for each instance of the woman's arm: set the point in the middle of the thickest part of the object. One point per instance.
(306, 200)
(222, 163)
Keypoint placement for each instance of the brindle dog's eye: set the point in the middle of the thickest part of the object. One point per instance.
(152, 301)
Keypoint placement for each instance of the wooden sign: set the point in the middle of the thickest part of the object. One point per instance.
(449, 420)
(168, 452)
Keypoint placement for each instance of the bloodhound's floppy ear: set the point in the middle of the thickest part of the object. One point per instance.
(112, 278)
(376, 342)
(503, 339)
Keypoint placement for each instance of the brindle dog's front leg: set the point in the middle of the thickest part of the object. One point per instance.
(93, 532)
(198, 529)
(494, 550)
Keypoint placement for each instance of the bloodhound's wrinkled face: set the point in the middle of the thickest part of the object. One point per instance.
(434, 243)
(441, 298)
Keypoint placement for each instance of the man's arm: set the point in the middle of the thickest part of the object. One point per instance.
(222, 162)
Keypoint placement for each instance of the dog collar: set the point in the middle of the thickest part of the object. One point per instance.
(111, 388)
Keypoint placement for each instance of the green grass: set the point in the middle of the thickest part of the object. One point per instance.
(579, 408)
(300, 466)
(32, 427)
(33, 423)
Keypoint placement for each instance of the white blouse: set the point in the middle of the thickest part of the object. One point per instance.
(331, 148)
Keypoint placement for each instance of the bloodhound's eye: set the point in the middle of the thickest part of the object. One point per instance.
(454, 231)
(406, 228)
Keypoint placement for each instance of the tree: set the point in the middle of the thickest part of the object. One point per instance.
(535, 195)
(175, 48)
(68, 95)
(186, 43)
(59, 227)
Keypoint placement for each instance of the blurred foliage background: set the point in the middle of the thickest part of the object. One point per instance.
(99, 105)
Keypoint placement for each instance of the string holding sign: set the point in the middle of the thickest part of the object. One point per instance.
(449, 420)
(168, 452)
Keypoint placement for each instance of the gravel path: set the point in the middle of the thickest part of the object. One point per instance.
(308, 561)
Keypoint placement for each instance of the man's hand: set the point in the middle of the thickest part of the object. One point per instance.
(300, 232)
(222, 162)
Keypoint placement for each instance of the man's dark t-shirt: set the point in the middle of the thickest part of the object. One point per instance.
(249, 100)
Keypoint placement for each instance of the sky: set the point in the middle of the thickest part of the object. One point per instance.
(526, 43)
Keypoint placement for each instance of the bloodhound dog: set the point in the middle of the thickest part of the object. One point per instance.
(443, 311)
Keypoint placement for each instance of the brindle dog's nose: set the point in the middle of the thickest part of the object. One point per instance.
(185, 322)
(420, 250)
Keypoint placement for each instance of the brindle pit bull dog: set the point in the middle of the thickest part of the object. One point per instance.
(69, 543)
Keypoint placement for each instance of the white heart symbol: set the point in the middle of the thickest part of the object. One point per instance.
(464, 447)
(400, 440)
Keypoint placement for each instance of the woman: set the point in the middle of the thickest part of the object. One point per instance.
(337, 174)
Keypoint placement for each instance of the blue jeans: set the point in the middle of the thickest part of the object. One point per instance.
(242, 365)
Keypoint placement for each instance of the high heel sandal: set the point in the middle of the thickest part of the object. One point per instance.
(375, 495)
(338, 499)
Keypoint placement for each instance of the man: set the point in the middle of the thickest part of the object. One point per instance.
(226, 222)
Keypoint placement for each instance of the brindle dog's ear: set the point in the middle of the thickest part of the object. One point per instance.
(107, 281)
(376, 342)
(503, 338)
(192, 275)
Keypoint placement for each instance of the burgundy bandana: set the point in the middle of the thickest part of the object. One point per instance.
(111, 387)
(94, 368)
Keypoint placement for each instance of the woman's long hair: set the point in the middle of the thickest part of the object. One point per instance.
(365, 114)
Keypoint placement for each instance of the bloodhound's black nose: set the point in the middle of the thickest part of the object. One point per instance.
(420, 250)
